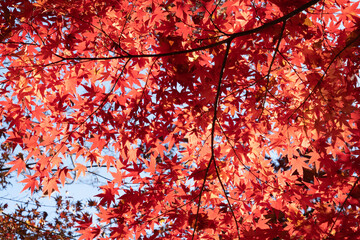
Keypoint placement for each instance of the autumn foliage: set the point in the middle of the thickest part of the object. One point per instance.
(227, 119)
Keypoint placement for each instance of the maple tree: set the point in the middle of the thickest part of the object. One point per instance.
(224, 119)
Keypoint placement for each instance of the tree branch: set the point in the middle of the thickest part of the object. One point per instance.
(212, 158)
(229, 39)
(271, 64)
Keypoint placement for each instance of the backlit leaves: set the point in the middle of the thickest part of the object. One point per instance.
(215, 119)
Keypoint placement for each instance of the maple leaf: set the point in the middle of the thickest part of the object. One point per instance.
(49, 186)
(298, 165)
(244, 120)
(19, 165)
(108, 195)
(80, 169)
(87, 232)
(31, 182)
(64, 173)
(97, 142)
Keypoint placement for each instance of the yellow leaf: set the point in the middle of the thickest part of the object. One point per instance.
(308, 22)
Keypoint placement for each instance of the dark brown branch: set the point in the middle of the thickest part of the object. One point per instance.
(29, 203)
(212, 158)
(212, 21)
(22, 43)
(28, 166)
(212, 138)
(230, 38)
(99, 175)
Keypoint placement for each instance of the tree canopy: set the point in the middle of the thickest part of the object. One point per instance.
(225, 119)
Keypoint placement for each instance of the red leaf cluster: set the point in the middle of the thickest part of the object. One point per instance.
(215, 119)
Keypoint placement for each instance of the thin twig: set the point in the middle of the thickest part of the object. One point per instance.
(212, 158)
(342, 206)
(324, 74)
(271, 64)
(30, 227)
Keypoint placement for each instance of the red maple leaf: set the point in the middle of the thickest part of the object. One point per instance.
(108, 195)
(19, 165)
